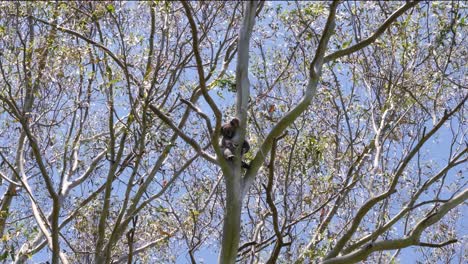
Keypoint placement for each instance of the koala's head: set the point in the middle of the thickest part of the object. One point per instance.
(228, 130)
(235, 122)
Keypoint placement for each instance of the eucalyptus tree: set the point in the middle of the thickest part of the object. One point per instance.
(111, 116)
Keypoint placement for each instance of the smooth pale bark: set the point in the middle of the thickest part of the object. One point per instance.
(368, 41)
(315, 72)
(367, 206)
(236, 185)
(49, 226)
(233, 180)
(411, 240)
(232, 217)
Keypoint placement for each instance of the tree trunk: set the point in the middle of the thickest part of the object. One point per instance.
(232, 217)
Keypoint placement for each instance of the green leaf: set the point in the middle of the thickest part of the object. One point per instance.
(110, 8)
(462, 21)
(346, 44)
(4, 256)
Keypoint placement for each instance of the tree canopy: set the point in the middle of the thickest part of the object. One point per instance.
(111, 116)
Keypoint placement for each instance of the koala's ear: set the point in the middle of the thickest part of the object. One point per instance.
(235, 122)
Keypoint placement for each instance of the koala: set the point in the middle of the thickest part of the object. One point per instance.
(230, 141)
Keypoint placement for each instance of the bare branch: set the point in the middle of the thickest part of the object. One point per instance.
(201, 73)
(315, 73)
(412, 239)
(451, 241)
(365, 208)
(184, 136)
(199, 112)
(92, 42)
(344, 52)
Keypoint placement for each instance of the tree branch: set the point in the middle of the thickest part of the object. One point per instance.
(92, 42)
(364, 209)
(411, 240)
(451, 241)
(200, 113)
(344, 52)
(179, 132)
(315, 73)
(202, 80)
(454, 162)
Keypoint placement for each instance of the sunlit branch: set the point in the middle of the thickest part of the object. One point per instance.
(200, 113)
(366, 207)
(454, 162)
(184, 136)
(201, 75)
(315, 71)
(386, 24)
(410, 240)
(92, 42)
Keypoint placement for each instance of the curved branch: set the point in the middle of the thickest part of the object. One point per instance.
(411, 240)
(454, 162)
(344, 52)
(200, 113)
(184, 136)
(92, 42)
(367, 206)
(431, 245)
(3, 176)
(199, 61)
(315, 73)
